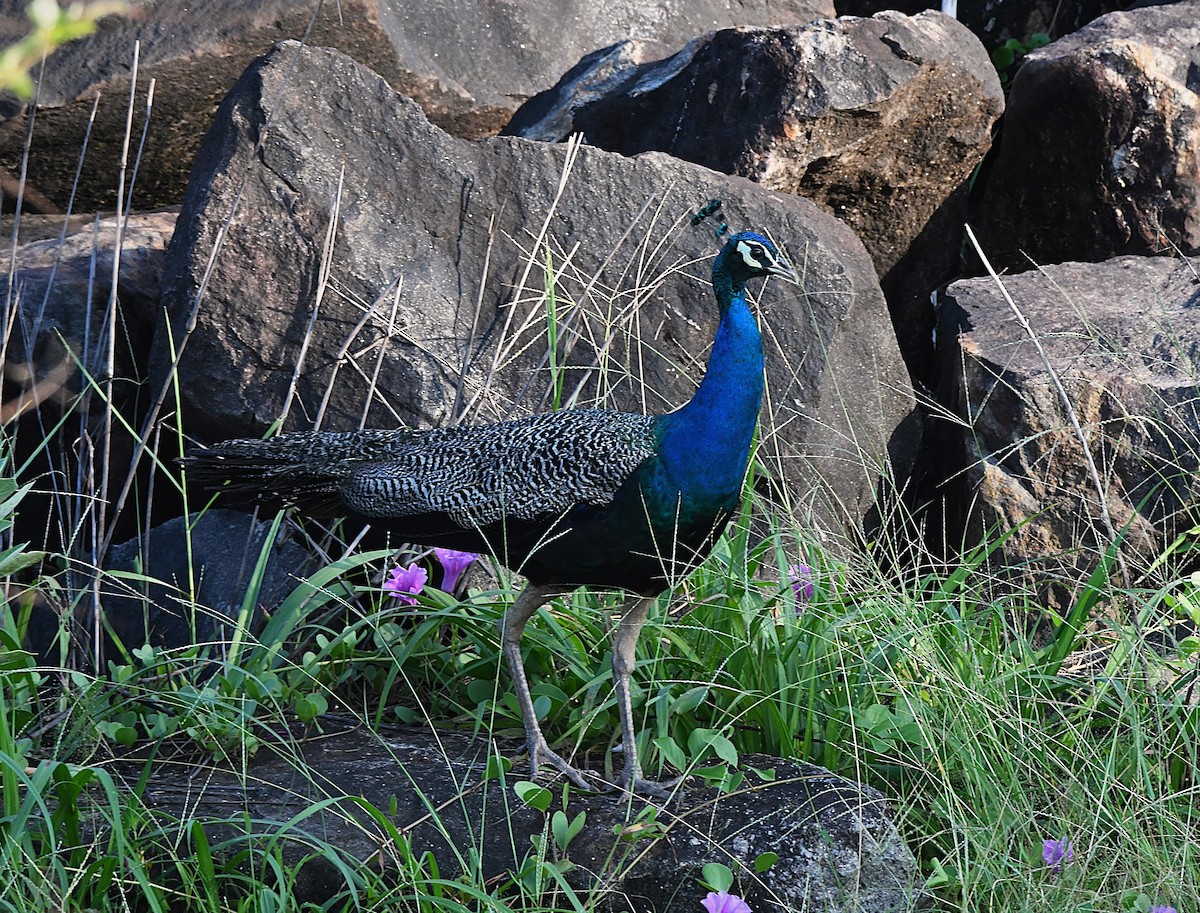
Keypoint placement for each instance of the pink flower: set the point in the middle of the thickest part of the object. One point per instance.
(802, 583)
(406, 582)
(724, 902)
(1057, 852)
(1162, 908)
(453, 564)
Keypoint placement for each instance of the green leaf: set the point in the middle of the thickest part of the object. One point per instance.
(533, 795)
(254, 587)
(943, 875)
(764, 861)
(17, 559)
(699, 740)
(672, 752)
(497, 767)
(875, 718)
(725, 750)
(732, 781)
(1003, 57)
(558, 827)
(565, 831)
(480, 691)
(325, 586)
(1141, 903)
(689, 700)
(716, 877)
(12, 496)
(311, 706)
(576, 825)
(118, 732)
(204, 861)
(702, 740)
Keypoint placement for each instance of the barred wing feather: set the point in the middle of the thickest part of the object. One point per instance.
(522, 469)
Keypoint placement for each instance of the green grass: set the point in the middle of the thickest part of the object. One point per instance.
(925, 687)
(925, 684)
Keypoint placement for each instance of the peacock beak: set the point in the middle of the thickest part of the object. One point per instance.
(784, 270)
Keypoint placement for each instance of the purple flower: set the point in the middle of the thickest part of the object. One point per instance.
(406, 582)
(724, 902)
(453, 564)
(802, 582)
(1057, 852)
(1162, 908)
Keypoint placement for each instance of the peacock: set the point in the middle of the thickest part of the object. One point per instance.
(579, 497)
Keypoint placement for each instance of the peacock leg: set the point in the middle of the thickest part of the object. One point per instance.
(624, 656)
(512, 626)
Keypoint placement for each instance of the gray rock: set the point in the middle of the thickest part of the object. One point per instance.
(216, 552)
(60, 288)
(1122, 335)
(838, 847)
(996, 22)
(880, 121)
(550, 116)
(1100, 153)
(62, 332)
(451, 231)
(468, 68)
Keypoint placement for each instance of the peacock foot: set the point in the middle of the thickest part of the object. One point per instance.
(540, 751)
(640, 786)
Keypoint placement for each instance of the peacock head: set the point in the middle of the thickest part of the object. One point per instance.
(747, 255)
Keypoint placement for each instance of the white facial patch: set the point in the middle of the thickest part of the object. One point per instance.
(750, 253)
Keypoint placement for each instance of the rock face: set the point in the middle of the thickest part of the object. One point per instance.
(1123, 338)
(435, 305)
(61, 286)
(995, 23)
(217, 552)
(838, 848)
(1100, 153)
(66, 325)
(880, 121)
(549, 116)
(468, 71)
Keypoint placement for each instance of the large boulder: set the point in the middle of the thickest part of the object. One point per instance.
(73, 349)
(997, 22)
(1122, 336)
(60, 282)
(432, 303)
(1100, 153)
(468, 69)
(880, 121)
(838, 848)
(186, 582)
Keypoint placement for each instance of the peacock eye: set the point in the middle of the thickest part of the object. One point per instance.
(755, 255)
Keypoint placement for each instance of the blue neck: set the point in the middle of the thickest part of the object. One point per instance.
(706, 444)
